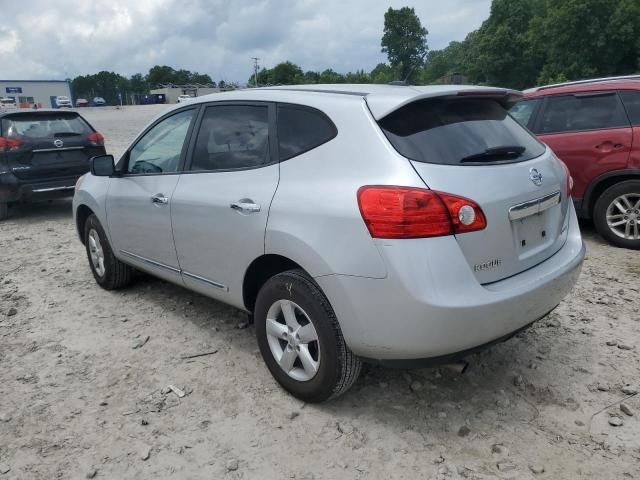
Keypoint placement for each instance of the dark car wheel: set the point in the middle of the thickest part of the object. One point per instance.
(109, 272)
(616, 214)
(4, 211)
(300, 339)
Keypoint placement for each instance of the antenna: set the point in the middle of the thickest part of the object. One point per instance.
(413, 68)
(255, 69)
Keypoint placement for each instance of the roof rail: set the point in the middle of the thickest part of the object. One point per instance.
(591, 80)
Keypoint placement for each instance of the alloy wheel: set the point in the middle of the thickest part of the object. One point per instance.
(623, 216)
(96, 252)
(293, 340)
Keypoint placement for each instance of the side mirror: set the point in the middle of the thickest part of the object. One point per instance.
(103, 166)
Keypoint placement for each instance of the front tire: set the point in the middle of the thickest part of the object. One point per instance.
(4, 211)
(109, 272)
(300, 339)
(616, 214)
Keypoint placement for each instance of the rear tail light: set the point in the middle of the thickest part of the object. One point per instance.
(569, 178)
(407, 212)
(9, 144)
(96, 139)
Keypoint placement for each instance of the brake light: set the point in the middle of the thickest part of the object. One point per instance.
(9, 144)
(96, 139)
(408, 212)
(569, 178)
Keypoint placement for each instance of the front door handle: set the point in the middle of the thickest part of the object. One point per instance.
(159, 198)
(245, 206)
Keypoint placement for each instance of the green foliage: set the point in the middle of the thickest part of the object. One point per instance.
(404, 40)
(163, 74)
(525, 43)
(102, 84)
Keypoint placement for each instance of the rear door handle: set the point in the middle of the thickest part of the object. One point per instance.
(245, 206)
(159, 199)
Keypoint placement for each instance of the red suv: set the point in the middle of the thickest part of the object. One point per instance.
(594, 127)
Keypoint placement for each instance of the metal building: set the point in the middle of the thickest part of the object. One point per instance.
(26, 93)
(171, 91)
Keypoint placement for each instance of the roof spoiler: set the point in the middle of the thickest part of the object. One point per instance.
(507, 98)
(382, 105)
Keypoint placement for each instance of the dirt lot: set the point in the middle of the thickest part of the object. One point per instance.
(82, 394)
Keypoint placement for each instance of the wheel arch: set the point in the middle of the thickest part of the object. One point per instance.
(259, 271)
(602, 183)
(83, 212)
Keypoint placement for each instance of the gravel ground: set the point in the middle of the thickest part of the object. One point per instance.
(84, 376)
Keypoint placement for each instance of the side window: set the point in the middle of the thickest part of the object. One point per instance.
(159, 150)
(232, 136)
(631, 102)
(522, 111)
(300, 129)
(573, 113)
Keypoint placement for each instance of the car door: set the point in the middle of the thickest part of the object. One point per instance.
(221, 203)
(631, 101)
(139, 200)
(590, 132)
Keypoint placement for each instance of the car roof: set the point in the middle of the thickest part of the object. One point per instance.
(381, 99)
(586, 86)
(40, 111)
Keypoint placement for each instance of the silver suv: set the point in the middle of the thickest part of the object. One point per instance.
(391, 224)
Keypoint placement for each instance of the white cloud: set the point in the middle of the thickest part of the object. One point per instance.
(44, 39)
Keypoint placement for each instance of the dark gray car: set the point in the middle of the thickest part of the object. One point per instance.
(42, 154)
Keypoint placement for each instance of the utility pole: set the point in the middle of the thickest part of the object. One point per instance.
(255, 69)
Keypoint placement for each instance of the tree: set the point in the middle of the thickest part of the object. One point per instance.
(588, 38)
(383, 73)
(160, 74)
(102, 84)
(138, 83)
(286, 73)
(404, 41)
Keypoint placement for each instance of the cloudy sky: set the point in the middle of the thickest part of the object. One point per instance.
(45, 39)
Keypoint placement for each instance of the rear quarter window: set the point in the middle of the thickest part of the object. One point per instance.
(44, 126)
(301, 129)
(631, 102)
(448, 132)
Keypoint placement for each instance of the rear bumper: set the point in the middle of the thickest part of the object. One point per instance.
(14, 189)
(431, 305)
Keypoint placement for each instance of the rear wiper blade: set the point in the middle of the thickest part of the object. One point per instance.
(506, 152)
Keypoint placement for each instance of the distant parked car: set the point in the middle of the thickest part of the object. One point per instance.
(184, 98)
(99, 102)
(63, 101)
(82, 102)
(42, 154)
(401, 225)
(8, 103)
(594, 127)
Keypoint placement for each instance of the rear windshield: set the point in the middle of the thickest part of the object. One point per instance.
(459, 132)
(54, 125)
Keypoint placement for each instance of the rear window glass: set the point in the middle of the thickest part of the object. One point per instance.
(631, 102)
(300, 129)
(459, 132)
(44, 126)
(574, 113)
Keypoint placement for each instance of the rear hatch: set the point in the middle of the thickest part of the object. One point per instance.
(51, 144)
(471, 147)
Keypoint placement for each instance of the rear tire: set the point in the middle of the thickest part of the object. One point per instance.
(616, 214)
(321, 366)
(4, 211)
(109, 272)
